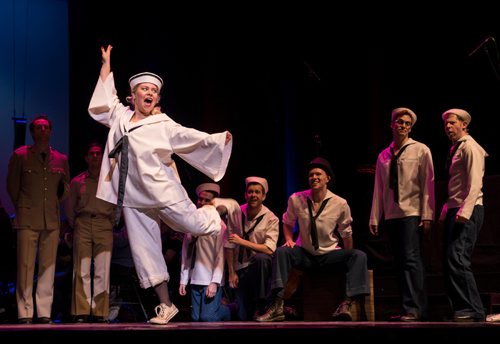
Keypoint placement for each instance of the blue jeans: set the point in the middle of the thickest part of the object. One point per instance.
(460, 283)
(208, 309)
(405, 238)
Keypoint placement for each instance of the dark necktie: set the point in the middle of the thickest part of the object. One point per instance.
(453, 150)
(314, 231)
(393, 173)
(122, 148)
(191, 251)
(44, 156)
(246, 236)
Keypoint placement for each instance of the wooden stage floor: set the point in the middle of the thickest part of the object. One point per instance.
(231, 332)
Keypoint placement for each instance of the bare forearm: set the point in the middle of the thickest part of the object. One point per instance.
(106, 62)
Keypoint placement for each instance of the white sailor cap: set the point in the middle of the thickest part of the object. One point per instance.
(212, 187)
(258, 180)
(461, 114)
(145, 77)
(398, 112)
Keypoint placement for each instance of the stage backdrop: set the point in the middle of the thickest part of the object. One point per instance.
(33, 74)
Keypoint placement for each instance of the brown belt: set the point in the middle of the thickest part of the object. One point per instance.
(93, 216)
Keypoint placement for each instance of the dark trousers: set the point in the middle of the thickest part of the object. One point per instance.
(406, 238)
(354, 261)
(253, 283)
(460, 283)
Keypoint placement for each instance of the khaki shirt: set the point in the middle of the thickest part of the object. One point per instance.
(36, 187)
(82, 201)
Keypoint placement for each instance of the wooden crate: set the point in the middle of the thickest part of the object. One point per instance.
(323, 290)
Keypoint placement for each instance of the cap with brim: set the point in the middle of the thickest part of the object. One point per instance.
(461, 114)
(211, 187)
(145, 77)
(398, 112)
(258, 180)
(323, 164)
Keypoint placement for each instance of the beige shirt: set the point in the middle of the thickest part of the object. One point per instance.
(415, 184)
(82, 200)
(466, 178)
(266, 232)
(335, 214)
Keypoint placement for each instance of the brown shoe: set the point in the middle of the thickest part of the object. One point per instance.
(44, 320)
(343, 312)
(467, 318)
(274, 313)
(409, 318)
(25, 321)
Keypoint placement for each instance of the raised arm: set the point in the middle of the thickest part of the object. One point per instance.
(106, 62)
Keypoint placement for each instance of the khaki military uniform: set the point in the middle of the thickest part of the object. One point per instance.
(36, 187)
(92, 220)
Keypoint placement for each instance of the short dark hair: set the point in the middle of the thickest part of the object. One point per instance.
(45, 117)
(95, 144)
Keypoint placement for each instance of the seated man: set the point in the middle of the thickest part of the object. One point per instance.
(318, 212)
(253, 243)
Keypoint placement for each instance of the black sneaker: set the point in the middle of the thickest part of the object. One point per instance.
(100, 319)
(80, 319)
(291, 313)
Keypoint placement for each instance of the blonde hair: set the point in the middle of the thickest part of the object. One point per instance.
(156, 110)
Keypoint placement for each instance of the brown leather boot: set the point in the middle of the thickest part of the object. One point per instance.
(274, 313)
